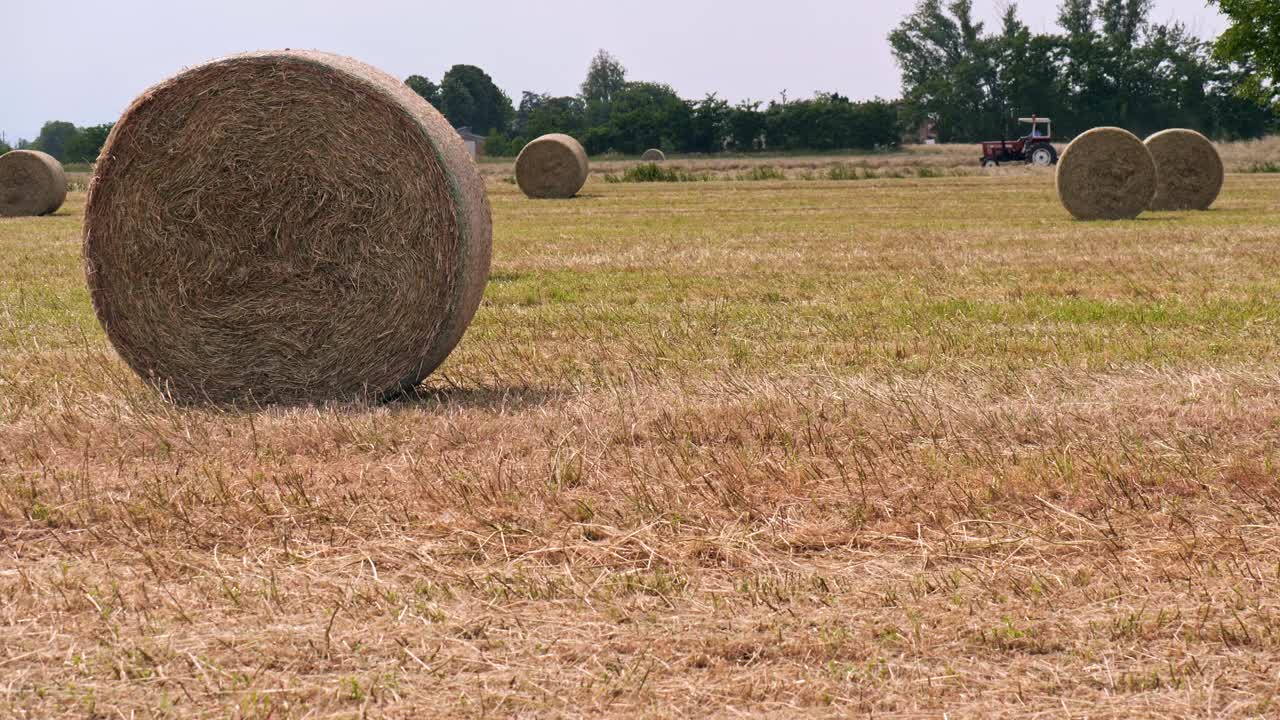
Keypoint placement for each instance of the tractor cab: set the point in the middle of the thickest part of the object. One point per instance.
(1041, 128)
(1034, 148)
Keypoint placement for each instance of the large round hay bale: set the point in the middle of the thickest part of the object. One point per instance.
(285, 227)
(552, 166)
(31, 183)
(654, 155)
(1106, 174)
(1189, 172)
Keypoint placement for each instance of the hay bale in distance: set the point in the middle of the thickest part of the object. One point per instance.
(1189, 171)
(654, 155)
(31, 183)
(285, 227)
(1106, 174)
(552, 166)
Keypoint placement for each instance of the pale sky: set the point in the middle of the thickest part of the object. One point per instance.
(84, 60)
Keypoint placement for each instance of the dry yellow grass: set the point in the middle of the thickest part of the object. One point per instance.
(951, 160)
(786, 448)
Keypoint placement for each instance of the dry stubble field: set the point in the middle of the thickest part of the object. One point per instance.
(890, 448)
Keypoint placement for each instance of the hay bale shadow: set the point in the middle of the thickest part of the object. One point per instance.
(489, 398)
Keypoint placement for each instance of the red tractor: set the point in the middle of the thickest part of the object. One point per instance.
(1034, 148)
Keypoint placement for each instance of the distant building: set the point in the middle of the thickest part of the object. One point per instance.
(926, 133)
(474, 142)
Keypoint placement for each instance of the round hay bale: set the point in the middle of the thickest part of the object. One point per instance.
(654, 155)
(31, 183)
(1106, 174)
(285, 227)
(1189, 172)
(552, 166)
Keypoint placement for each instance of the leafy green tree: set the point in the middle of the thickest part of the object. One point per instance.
(555, 115)
(469, 97)
(540, 114)
(606, 80)
(457, 103)
(1252, 42)
(709, 125)
(529, 101)
(1125, 66)
(1027, 70)
(1110, 65)
(746, 126)
(87, 143)
(1235, 115)
(55, 136)
(4, 146)
(1177, 81)
(426, 89)
(948, 72)
(646, 115)
(831, 121)
(1080, 73)
(499, 145)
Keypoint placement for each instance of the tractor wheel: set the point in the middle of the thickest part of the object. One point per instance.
(1042, 155)
(988, 162)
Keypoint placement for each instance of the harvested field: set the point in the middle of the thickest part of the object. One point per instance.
(948, 160)
(953, 160)
(783, 447)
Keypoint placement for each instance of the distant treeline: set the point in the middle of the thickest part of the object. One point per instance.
(612, 114)
(1109, 65)
(65, 141)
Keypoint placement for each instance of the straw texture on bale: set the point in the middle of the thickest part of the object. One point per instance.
(654, 155)
(1106, 174)
(552, 166)
(285, 227)
(31, 183)
(1189, 172)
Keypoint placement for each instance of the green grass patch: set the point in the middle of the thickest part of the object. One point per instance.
(653, 172)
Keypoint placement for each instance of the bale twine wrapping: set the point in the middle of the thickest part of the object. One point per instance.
(654, 155)
(1106, 174)
(284, 227)
(31, 183)
(552, 166)
(1189, 171)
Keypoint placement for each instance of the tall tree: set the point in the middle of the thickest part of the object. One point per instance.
(1252, 42)
(1027, 69)
(529, 101)
(54, 138)
(87, 142)
(746, 126)
(947, 69)
(831, 121)
(606, 79)
(1125, 68)
(469, 97)
(543, 114)
(428, 90)
(710, 124)
(644, 115)
(1081, 81)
